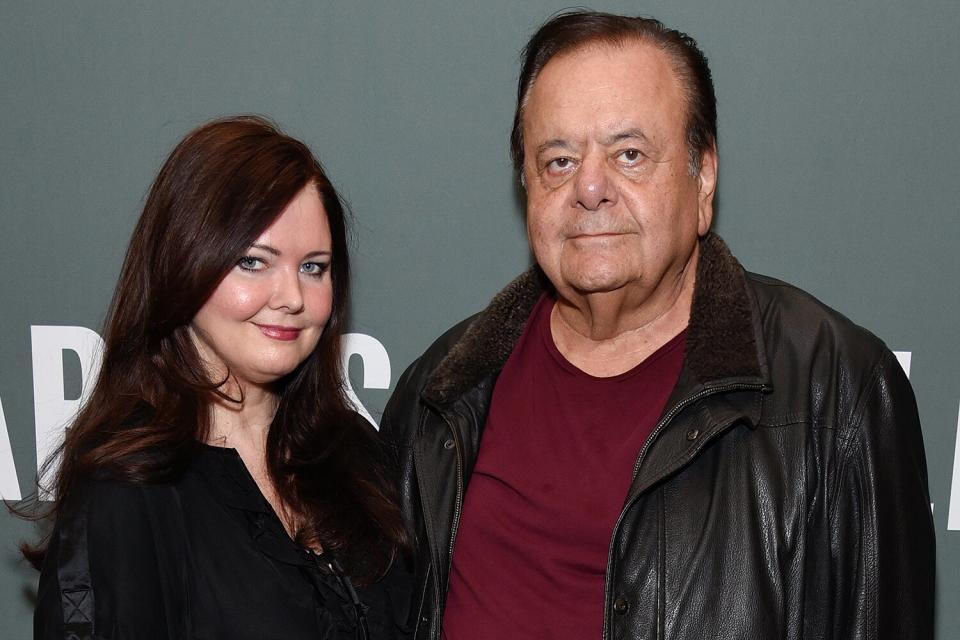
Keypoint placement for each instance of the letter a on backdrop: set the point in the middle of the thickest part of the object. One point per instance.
(52, 410)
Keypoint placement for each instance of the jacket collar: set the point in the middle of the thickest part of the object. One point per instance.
(723, 341)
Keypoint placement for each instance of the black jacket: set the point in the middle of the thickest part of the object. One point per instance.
(783, 493)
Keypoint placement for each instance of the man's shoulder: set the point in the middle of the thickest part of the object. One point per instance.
(470, 351)
(441, 347)
(794, 321)
(779, 300)
(406, 395)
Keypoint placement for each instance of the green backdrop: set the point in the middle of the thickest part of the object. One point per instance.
(839, 173)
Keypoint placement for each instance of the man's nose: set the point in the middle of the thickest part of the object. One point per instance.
(287, 291)
(594, 188)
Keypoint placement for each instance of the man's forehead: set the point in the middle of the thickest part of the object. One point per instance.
(612, 92)
(632, 62)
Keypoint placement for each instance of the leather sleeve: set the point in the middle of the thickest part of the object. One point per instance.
(123, 567)
(882, 536)
(397, 427)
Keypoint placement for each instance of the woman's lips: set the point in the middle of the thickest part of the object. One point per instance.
(278, 332)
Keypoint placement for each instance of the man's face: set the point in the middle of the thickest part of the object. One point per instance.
(611, 202)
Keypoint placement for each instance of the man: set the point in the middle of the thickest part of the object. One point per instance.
(637, 438)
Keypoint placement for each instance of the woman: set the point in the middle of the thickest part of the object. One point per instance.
(217, 484)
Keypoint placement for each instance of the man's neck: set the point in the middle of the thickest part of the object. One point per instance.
(606, 334)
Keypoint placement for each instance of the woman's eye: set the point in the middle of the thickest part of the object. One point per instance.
(249, 263)
(314, 268)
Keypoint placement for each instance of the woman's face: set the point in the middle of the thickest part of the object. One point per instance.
(267, 314)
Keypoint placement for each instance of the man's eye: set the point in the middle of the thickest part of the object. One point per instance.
(249, 263)
(631, 156)
(560, 164)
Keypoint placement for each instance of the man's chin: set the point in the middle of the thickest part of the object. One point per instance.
(591, 275)
(597, 284)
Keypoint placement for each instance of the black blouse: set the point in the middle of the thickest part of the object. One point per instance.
(205, 557)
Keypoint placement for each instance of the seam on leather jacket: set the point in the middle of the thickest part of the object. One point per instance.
(783, 420)
(844, 455)
(868, 388)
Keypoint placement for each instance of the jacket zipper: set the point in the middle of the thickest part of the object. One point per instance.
(459, 502)
(636, 469)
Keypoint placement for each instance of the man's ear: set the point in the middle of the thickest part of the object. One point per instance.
(707, 180)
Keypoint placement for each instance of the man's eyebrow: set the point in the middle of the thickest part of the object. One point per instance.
(635, 133)
(628, 134)
(554, 143)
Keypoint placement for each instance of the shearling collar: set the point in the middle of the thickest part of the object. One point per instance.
(722, 341)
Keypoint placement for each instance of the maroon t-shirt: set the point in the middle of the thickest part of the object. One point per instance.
(555, 464)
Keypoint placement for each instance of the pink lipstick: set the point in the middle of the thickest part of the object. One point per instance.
(278, 332)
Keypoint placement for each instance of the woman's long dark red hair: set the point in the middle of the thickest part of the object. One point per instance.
(220, 188)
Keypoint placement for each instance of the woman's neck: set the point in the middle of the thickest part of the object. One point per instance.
(244, 420)
(244, 425)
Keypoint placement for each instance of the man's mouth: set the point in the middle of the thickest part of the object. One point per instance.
(597, 236)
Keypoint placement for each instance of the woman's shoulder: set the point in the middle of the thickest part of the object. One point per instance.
(105, 542)
(91, 499)
(111, 499)
(128, 526)
(118, 518)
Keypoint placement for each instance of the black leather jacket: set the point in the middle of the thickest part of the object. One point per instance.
(783, 493)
